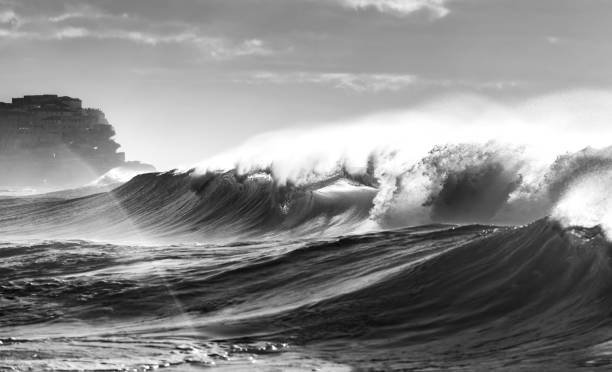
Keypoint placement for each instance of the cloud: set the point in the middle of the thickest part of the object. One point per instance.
(217, 48)
(372, 83)
(139, 37)
(11, 34)
(84, 14)
(71, 33)
(342, 80)
(436, 8)
(87, 22)
(476, 85)
(251, 47)
(8, 18)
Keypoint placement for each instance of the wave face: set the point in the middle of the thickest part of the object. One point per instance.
(433, 297)
(181, 206)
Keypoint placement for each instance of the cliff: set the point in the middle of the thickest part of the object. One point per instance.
(53, 142)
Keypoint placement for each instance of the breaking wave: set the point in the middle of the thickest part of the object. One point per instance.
(459, 184)
(459, 161)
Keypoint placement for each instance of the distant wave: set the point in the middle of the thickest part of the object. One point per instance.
(181, 206)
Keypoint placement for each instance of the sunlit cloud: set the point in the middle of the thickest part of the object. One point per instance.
(71, 33)
(11, 35)
(341, 80)
(216, 47)
(9, 18)
(97, 25)
(369, 82)
(85, 12)
(476, 85)
(83, 15)
(436, 8)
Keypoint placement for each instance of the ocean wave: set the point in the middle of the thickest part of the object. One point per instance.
(458, 294)
(463, 184)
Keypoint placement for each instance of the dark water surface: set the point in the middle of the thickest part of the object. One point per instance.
(435, 297)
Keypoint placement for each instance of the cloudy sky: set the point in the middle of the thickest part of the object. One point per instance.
(184, 79)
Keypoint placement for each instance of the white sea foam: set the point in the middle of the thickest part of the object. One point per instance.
(587, 202)
(417, 156)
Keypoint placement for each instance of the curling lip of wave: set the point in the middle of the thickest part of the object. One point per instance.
(495, 162)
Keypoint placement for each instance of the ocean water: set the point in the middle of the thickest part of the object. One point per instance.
(237, 271)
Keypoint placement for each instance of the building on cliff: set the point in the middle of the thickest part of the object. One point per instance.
(53, 142)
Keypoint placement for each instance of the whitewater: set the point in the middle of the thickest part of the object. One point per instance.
(461, 234)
